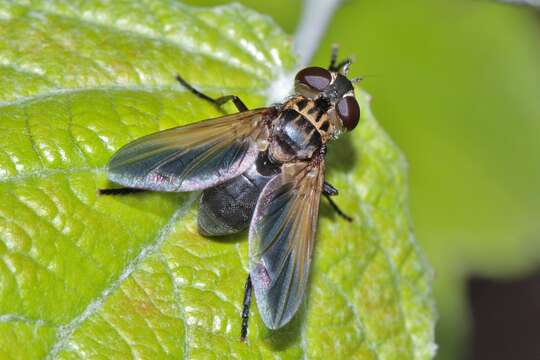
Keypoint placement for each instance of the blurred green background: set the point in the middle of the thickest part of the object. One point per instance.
(457, 86)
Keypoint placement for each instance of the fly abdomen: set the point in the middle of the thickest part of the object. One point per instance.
(294, 137)
(228, 207)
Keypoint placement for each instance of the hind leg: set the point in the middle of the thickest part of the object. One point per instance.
(218, 101)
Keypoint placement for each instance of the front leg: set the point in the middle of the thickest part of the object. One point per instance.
(216, 102)
(328, 191)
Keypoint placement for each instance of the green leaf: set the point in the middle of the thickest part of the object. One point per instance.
(85, 276)
(286, 19)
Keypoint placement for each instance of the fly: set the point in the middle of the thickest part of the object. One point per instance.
(261, 169)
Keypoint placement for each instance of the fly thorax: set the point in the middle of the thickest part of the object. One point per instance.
(317, 113)
(294, 137)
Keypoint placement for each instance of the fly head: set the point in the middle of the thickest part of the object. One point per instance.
(333, 93)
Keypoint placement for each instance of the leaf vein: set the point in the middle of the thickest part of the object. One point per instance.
(139, 34)
(68, 329)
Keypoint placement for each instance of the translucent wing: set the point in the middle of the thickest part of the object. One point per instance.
(191, 157)
(281, 237)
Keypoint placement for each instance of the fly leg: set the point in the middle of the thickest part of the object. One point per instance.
(342, 67)
(218, 102)
(120, 191)
(328, 191)
(248, 289)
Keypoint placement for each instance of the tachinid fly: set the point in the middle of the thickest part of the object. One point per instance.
(262, 169)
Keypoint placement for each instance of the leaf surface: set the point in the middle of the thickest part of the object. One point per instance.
(86, 276)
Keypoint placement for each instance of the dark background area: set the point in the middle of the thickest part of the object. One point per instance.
(506, 316)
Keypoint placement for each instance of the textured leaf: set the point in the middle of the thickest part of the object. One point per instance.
(85, 276)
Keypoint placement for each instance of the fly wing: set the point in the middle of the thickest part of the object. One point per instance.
(281, 238)
(191, 157)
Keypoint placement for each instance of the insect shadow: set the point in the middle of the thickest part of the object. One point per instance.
(229, 239)
(342, 157)
(283, 338)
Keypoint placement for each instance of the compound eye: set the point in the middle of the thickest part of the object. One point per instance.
(314, 77)
(348, 111)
